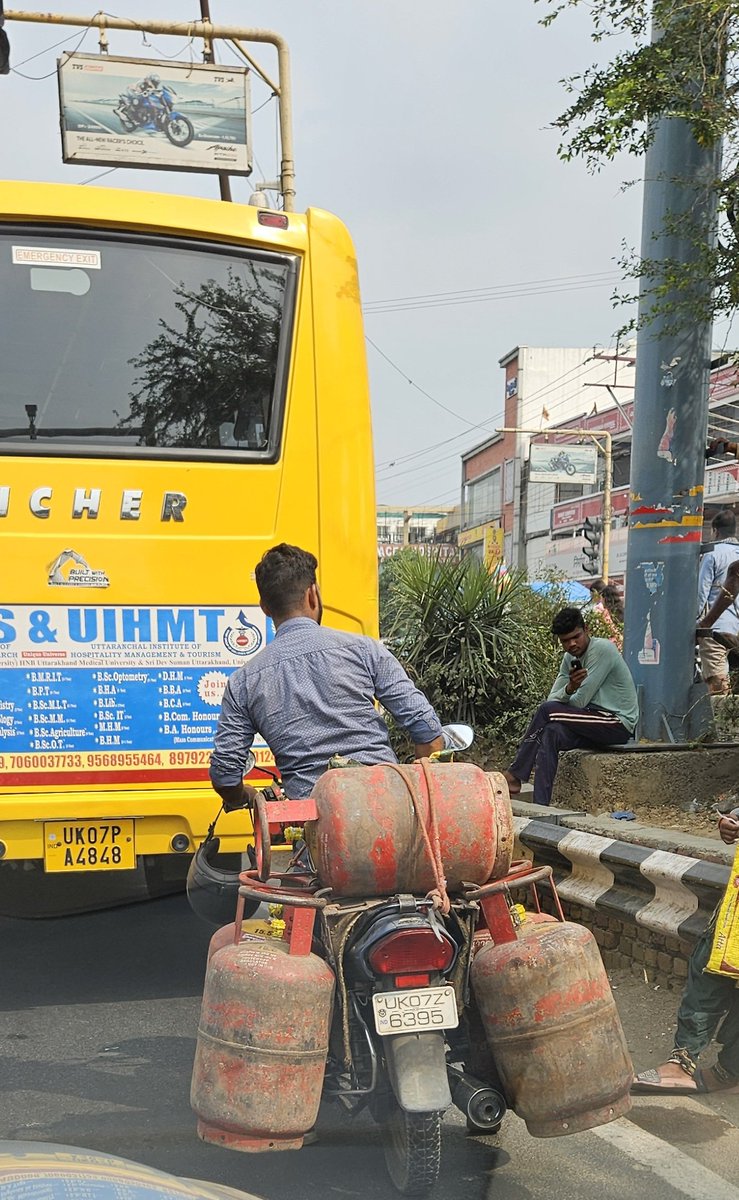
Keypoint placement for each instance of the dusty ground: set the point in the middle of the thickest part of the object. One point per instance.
(648, 1015)
(702, 823)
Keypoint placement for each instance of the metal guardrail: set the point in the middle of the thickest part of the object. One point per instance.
(670, 894)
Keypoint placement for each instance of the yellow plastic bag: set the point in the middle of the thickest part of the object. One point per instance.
(724, 958)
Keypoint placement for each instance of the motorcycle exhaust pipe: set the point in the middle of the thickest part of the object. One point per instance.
(482, 1105)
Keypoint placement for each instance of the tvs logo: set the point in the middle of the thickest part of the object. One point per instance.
(243, 638)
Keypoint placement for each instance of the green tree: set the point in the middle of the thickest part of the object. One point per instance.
(690, 72)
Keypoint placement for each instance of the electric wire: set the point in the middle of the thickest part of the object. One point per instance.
(492, 287)
(519, 293)
(100, 174)
(482, 425)
(541, 391)
(423, 392)
(38, 78)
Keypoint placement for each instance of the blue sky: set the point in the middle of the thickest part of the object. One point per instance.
(424, 126)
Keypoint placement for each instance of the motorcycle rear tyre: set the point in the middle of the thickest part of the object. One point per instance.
(179, 130)
(412, 1146)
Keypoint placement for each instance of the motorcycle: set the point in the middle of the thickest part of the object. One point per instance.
(562, 462)
(389, 913)
(156, 109)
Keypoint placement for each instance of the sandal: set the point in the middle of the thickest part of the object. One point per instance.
(654, 1080)
(712, 1079)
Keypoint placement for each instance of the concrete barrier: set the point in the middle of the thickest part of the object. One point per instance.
(672, 894)
(635, 774)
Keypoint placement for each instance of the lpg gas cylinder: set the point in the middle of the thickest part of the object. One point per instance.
(262, 1046)
(552, 1025)
(368, 839)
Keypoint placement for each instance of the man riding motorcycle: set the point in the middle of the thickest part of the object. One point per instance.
(311, 693)
(139, 95)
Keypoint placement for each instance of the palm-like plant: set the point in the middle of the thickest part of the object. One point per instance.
(456, 629)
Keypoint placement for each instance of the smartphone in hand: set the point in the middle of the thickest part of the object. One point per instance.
(576, 665)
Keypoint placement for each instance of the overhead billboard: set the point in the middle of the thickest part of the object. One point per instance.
(172, 116)
(563, 464)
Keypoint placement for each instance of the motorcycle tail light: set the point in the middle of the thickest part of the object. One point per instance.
(411, 950)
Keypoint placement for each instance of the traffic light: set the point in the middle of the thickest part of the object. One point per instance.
(592, 532)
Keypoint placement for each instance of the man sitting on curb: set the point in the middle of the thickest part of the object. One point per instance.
(707, 1000)
(593, 703)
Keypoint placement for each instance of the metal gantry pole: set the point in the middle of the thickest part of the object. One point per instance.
(224, 181)
(669, 439)
(607, 451)
(208, 32)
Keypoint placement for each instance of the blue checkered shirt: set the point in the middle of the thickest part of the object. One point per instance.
(310, 694)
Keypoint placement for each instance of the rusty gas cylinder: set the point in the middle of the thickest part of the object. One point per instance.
(262, 1046)
(368, 840)
(552, 1025)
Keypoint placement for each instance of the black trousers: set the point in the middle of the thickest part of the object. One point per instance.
(556, 727)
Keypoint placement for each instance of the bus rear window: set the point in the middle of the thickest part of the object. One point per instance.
(147, 347)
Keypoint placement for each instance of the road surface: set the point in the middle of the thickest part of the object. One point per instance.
(97, 1023)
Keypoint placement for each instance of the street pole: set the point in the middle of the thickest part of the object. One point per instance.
(607, 504)
(669, 439)
(224, 182)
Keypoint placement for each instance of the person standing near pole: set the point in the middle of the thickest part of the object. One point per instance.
(714, 568)
(707, 1002)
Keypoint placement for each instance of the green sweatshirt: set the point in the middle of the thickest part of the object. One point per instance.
(608, 683)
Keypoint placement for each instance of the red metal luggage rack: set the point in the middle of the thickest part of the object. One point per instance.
(301, 904)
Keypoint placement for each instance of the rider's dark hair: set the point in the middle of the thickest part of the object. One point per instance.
(283, 576)
(724, 524)
(567, 620)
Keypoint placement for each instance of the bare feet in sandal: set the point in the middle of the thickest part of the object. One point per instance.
(514, 784)
(673, 1079)
(670, 1077)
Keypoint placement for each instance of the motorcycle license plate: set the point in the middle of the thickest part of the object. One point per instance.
(416, 1010)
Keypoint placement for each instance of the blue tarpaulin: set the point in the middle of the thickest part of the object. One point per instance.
(574, 592)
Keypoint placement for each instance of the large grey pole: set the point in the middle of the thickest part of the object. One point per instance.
(669, 439)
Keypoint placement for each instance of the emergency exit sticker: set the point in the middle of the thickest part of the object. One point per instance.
(55, 256)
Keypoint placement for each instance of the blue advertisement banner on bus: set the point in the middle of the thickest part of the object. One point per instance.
(118, 692)
(131, 112)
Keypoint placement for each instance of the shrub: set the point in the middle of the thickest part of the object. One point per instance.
(479, 644)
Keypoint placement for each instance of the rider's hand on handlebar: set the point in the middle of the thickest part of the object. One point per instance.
(244, 799)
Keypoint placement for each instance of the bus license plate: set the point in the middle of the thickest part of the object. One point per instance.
(89, 845)
(416, 1010)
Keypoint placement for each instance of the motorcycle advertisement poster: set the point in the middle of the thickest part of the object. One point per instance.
(558, 463)
(132, 112)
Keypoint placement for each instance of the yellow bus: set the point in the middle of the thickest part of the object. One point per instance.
(183, 385)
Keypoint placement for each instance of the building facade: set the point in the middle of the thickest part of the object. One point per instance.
(542, 386)
(540, 526)
(427, 530)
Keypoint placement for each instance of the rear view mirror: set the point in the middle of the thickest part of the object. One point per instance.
(457, 737)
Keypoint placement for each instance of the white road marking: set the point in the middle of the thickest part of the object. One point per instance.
(683, 1173)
